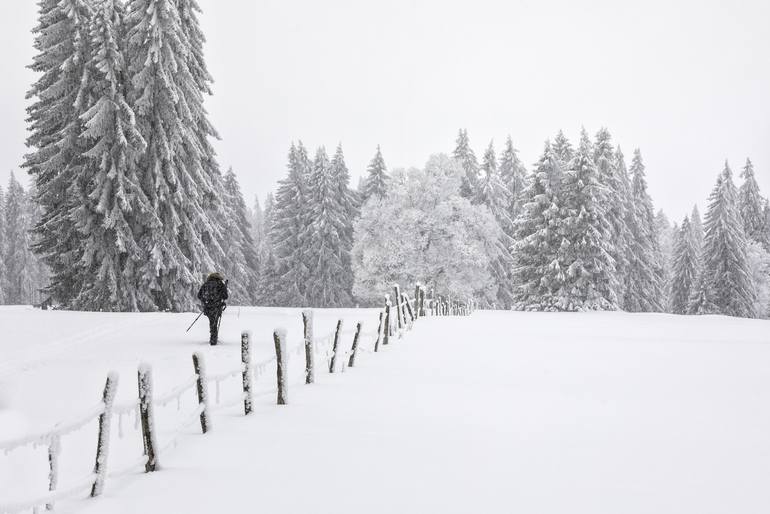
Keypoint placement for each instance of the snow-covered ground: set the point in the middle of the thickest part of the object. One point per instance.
(496, 412)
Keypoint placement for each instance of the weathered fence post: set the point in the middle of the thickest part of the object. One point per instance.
(335, 347)
(53, 466)
(103, 440)
(201, 387)
(417, 300)
(409, 308)
(421, 301)
(282, 368)
(248, 399)
(379, 333)
(307, 324)
(386, 332)
(397, 292)
(353, 350)
(147, 417)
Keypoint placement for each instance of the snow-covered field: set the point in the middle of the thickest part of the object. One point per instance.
(496, 412)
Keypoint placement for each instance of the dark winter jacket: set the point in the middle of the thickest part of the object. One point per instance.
(213, 294)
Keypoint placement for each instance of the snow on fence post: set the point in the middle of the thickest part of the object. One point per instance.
(379, 333)
(103, 441)
(201, 387)
(307, 324)
(417, 300)
(281, 365)
(54, 447)
(353, 350)
(336, 347)
(246, 371)
(147, 417)
(397, 292)
(408, 306)
(386, 329)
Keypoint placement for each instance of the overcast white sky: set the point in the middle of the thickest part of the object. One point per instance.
(687, 81)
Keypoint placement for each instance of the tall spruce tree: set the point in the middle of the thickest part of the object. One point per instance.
(514, 176)
(563, 150)
(326, 252)
(751, 206)
(685, 266)
(725, 282)
(376, 182)
(697, 229)
(59, 97)
(243, 262)
(537, 272)
(180, 179)
(17, 257)
(626, 197)
(644, 287)
(113, 209)
(289, 221)
(493, 193)
(464, 154)
(3, 278)
(585, 251)
(349, 204)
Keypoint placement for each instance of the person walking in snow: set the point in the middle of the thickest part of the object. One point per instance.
(212, 295)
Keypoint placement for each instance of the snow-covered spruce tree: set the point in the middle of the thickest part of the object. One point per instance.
(725, 268)
(464, 154)
(563, 150)
(376, 181)
(268, 290)
(697, 229)
(242, 265)
(514, 176)
(614, 191)
(537, 273)
(766, 211)
(493, 193)
(17, 258)
(326, 252)
(349, 204)
(625, 193)
(585, 249)
(2, 246)
(644, 287)
(180, 178)
(751, 206)
(60, 96)
(759, 267)
(424, 231)
(112, 209)
(684, 271)
(289, 223)
(665, 234)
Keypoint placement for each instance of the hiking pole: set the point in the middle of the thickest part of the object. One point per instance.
(193, 323)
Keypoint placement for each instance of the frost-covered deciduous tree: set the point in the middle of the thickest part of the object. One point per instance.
(465, 155)
(725, 286)
(644, 287)
(180, 178)
(537, 272)
(685, 266)
(112, 209)
(424, 232)
(514, 176)
(243, 262)
(585, 251)
(751, 206)
(376, 181)
(59, 97)
(326, 253)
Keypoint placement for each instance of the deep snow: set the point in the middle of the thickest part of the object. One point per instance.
(497, 412)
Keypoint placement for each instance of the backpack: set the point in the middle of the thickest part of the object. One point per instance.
(211, 292)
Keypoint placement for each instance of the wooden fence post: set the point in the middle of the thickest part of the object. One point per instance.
(53, 466)
(307, 324)
(353, 350)
(248, 398)
(103, 441)
(201, 387)
(417, 300)
(421, 302)
(335, 348)
(282, 368)
(386, 328)
(147, 417)
(397, 292)
(379, 332)
(409, 308)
